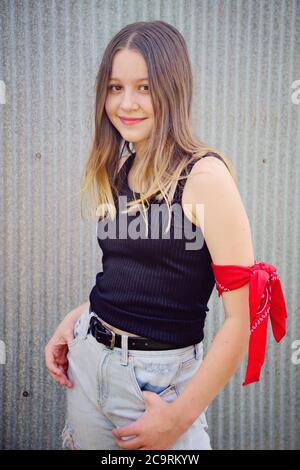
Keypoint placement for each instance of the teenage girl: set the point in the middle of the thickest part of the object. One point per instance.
(132, 355)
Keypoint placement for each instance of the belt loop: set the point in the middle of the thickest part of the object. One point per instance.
(124, 353)
(86, 325)
(198, 350)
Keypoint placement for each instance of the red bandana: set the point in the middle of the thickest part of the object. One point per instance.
(265, 298)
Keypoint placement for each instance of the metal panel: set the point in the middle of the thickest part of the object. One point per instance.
(245, 57)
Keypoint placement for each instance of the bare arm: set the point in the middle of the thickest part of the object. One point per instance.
(228, 237)
(56, 349)
(76, 312)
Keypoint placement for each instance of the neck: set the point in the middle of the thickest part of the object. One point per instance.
(138, 149)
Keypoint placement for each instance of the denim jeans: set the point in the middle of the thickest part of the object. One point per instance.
(108, 384)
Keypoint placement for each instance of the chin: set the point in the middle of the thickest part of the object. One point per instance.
(132, 137)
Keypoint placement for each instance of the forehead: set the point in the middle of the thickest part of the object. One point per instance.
(128, 66)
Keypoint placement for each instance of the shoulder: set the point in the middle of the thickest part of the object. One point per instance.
(210, 165)
(219, 211)
(209, 181)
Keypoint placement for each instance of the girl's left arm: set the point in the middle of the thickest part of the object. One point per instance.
(227, 233)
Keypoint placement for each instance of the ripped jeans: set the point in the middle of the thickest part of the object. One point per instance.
(108, 385)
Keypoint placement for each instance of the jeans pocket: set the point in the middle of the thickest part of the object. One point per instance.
(189, 367)
(154, 374)
(78, 329)
(190, 362)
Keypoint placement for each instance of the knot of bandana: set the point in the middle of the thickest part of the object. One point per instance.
(266, 299)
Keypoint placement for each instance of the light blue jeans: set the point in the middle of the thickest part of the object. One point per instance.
(108, 385)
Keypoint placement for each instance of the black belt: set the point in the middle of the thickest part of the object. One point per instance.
(110, 338)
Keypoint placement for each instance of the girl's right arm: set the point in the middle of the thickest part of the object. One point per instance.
(56, 349)
(76, 312)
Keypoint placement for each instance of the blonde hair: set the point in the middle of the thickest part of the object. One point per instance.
(171, 144)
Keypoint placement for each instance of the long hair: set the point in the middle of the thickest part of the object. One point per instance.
(171, 144)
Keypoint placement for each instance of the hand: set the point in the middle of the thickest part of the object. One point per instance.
(158, 428)
(56, 351)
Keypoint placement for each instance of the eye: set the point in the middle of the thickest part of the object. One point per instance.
(118, 86)
(112, 86)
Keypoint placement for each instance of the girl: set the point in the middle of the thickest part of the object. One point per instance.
(132, 356)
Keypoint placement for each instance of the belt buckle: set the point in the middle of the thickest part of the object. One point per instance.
(97, 328)
(113, 340)
(107, 332)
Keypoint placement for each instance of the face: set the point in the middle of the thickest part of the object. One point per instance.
(128, 96)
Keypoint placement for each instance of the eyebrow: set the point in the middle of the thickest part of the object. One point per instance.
(138, 80)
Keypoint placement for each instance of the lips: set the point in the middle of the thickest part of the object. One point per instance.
(130, 120)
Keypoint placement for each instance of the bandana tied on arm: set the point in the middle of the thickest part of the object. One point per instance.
(265, 299)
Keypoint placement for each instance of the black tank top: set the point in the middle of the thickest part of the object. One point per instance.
(156, 286)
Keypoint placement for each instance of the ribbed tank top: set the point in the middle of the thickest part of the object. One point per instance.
(153, 287)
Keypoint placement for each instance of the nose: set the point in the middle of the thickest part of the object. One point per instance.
(128, 101)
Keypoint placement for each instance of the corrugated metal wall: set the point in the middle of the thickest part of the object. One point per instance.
(246, 58)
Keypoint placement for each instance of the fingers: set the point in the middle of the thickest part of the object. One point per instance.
(130, 444)
(61, 380)
(57, 372)
(51, 364)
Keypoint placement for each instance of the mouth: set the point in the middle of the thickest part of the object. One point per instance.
(130, 120)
